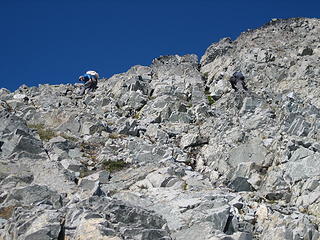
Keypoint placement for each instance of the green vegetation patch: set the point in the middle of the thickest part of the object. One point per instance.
(211, 100)
(137, 115)
(115, 135)
(90, 149)
(70, 138)
(44, 133)
(205, 75)
(114, 166)
(85, 172)
(185, 186)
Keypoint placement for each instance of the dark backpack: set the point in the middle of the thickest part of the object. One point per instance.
(237, 81)
(238, 75)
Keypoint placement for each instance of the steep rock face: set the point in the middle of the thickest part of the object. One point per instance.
(281, 56)
(170, 151)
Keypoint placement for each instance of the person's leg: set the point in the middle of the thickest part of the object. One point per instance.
(89, 86)
(233, 83)
(239, 85)
(82, 90)
(84, 87)
(244, 86)
(94, 85)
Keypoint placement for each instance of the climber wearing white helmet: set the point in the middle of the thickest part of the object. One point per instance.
(90, 80)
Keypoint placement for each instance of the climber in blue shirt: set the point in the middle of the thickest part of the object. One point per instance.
(90, 80)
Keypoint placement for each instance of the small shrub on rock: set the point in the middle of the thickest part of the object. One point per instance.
(44, 133)
(114, 166)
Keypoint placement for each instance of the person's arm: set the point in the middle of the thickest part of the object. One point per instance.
(232, 81)
(88, 83)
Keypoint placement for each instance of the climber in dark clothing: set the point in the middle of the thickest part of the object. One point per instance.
(90, 80)
(237, 81)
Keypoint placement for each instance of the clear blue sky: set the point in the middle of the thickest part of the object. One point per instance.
(44, 41)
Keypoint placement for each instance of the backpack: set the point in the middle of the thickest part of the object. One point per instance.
(93, 73)
(238, 75)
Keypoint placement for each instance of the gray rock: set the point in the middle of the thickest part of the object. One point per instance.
(90, 128)
(11, 123)
(95, 228)
(289, 228)
(17, 178)
(72, 165)
(72, 125)
(75, 153)
(45, 226)
(299, 127)
(35, 194)
(38, 224)
(251, 152)
(189, 140)
(199, 231)
(130, 127)
(240, 184)
(61, 143)
(302, 165)
(219, 218)
(305, 51)
(249, 105)
(134, 99)
(101, 176)
(20, 143)
(180, 117)
(216, 50)
(133, 220)
(4, 92)
(156, 134)
(189, 143)
(90, 188)
(158, 178)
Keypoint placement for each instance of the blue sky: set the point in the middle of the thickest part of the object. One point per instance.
(54, 42)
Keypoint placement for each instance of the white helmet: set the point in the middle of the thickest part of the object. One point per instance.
(93, 73)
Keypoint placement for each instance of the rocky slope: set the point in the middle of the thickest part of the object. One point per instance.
(170, 151)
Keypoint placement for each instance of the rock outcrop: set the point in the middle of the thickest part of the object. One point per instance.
(170, 150)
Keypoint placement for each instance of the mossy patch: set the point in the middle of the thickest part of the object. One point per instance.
(114, 166)
(115, 135)
(45, 134)
(85, 172)
(211, 100)
(70, 138)
(185, 186)
(137, 115)
(90, 150)
(205, 75)
(6, 212)
(110, 123)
